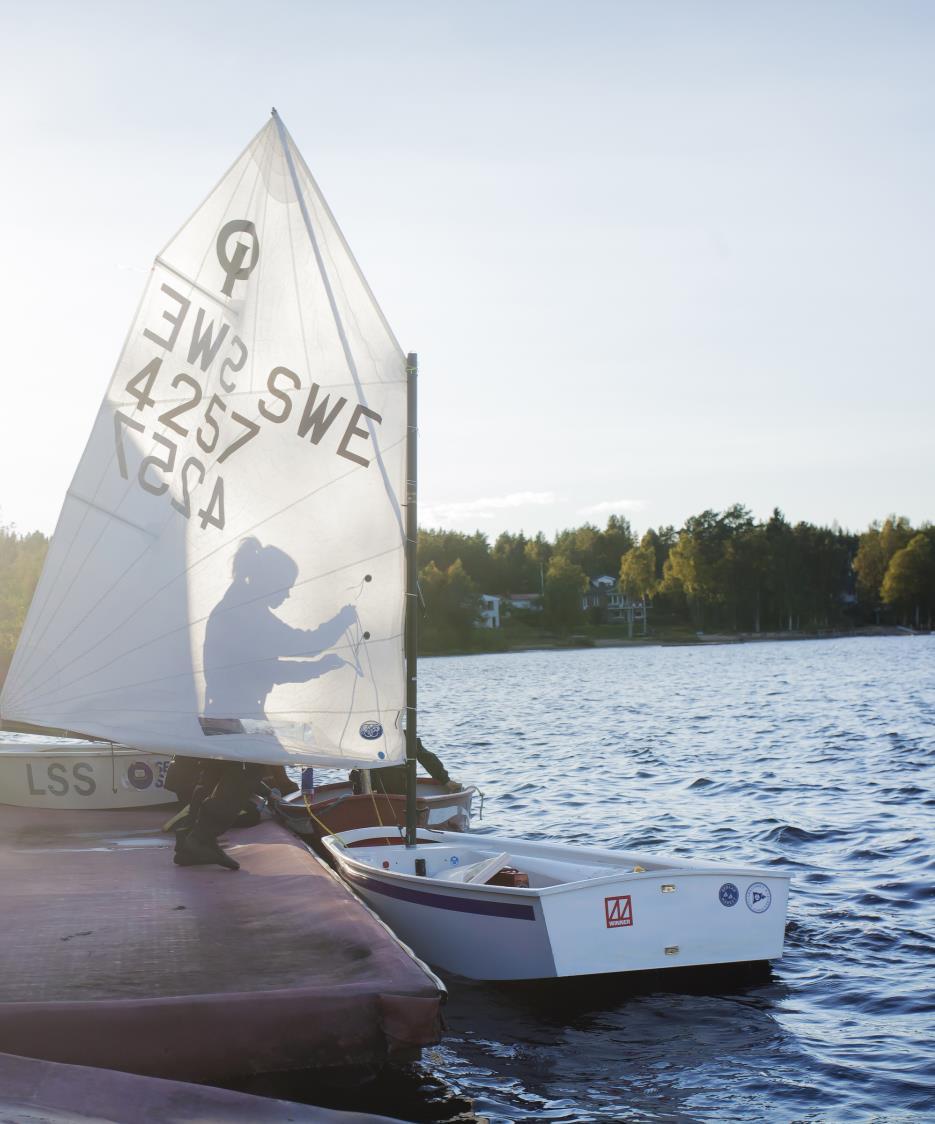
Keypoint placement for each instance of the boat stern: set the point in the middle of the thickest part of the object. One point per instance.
(668, 919)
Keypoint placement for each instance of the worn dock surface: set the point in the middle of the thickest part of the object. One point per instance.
(41, 1092)
(112, 956)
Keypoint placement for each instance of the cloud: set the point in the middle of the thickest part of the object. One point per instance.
(612, 507)
(485, 508)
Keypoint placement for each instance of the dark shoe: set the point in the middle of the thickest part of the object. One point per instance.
(194, 852)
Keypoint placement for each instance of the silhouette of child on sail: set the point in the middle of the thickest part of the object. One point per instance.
(248, 650)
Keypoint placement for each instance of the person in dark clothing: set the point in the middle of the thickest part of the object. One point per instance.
(393, 778)
(248, 650)
(219, 795)
(221, 799)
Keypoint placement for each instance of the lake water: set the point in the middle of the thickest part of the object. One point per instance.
(814, 758)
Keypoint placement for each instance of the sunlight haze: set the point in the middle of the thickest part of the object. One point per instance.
(654, 257)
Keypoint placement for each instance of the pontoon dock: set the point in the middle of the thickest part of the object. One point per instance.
(111, 956)
(40, 1092)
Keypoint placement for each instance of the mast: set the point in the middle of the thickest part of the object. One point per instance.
(412, 591)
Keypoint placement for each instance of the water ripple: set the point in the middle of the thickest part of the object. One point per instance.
(813, 758)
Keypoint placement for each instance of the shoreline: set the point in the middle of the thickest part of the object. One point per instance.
(699, 639)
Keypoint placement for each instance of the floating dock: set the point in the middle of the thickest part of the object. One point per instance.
(111, 956)
(40, 1092)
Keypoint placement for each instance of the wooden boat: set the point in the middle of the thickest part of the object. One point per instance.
(496, 908)
(334, 809)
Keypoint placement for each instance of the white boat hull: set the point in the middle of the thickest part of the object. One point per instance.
(40, 772)
(591, 913)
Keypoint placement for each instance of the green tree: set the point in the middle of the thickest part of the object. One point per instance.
(637, 579)
(612, 543)
(909, 582)
(539, 554)
(581, 546)
(514, 568)
(451, 605)
(877, 546)
(21, 558)
(565, 583)
(445, 547)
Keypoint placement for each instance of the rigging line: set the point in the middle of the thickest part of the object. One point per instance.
(350, 709)
(373, 681)
(352, 366)
(392, 811)
(375, 808)
(321, 823)
(225, 545)
(37, 692)
(188, 673)
(106, 400)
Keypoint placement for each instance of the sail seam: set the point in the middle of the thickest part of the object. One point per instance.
(107, 467)
(38, 694)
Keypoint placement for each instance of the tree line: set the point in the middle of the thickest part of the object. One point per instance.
(721, 571)
(21, 558)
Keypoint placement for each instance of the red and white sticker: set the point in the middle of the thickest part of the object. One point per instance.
(618, 912)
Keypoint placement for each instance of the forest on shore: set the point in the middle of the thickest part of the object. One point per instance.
(722, 572)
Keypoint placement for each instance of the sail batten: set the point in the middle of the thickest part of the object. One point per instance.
(227, 575)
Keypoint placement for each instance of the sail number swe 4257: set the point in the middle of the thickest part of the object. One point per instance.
(192, 470)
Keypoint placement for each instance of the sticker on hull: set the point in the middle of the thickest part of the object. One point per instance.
(618, 912)
(758, 897)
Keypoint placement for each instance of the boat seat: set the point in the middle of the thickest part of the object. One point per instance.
(476, 873)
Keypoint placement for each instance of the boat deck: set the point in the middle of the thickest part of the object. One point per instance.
(112, 956)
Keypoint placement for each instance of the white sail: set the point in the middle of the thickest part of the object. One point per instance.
(227, 574)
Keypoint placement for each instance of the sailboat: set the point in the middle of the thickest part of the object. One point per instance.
(227, 578)
(233, 576)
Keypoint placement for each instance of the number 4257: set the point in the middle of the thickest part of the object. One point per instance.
(151, 466)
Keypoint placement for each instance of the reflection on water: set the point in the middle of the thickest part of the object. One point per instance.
(814, 758)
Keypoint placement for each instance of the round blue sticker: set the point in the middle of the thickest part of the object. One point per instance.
(371, 730)
(728, 894)
(140, 775)
(758, 897)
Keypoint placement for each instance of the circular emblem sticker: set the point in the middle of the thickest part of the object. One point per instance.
(140, 775)
(371, 730)
(758, 897)
(728, 894)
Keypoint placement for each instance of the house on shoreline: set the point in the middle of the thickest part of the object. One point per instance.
(494, 610)
(604, 603)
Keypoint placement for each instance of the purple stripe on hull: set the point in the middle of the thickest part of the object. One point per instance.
(440, 901)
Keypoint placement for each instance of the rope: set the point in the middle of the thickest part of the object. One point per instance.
(321, 823)
(376, 810)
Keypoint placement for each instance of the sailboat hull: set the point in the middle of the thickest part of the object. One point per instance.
(66, 773)
(587, 911)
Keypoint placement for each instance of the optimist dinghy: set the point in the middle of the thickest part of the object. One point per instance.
(494, 908)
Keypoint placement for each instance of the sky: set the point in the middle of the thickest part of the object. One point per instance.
(655, 257)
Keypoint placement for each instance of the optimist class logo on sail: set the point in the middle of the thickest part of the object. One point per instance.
(199, 432)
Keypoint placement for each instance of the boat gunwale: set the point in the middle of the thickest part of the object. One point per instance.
(343, 856)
